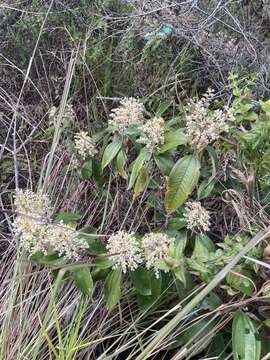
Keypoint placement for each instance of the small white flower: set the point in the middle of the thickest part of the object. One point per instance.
(32, 213)
(197, 217)
(152, 133)
(34, 231)
(64, 240)
(32, 234)
(155, 247)
(204, 126)
(124, 250)
(129, 113)
(34, 204)
(67, 117)
(85, 145)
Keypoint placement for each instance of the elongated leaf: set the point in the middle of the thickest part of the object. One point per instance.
(141, 279)
(145, 302)
(205, 189)
(177, 223)
(180, 244)
(96, 169)
(112, 288)
(164, 163)
(47, 260)
(172, 139)
(245, 344)
(100, 274)
(141, 182)
(84, 281)
(137, 165)
(182, 181)
(110, 152)
(120, 164)
(86, 170)
(203, 246)
(67, 217)
(163, 107)
(265, 106)
(103, 263)
(241, 279)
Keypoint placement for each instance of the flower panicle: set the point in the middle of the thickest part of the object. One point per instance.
(204, 126)
(152, 133)
(85, 145)
(129, 113)
(155, 248)
(197, 217)
(124, 250)
(36, 233)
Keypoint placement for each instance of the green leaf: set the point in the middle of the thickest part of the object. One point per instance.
(120, 164)
(67, 218)
(180, 244)
(136, 167)
(141, 182)
(240, 279)
(176, 223)
(86, 170)
(210, 302)
(110, 153)
(243, 108)
(95, 246)
(84, 281)
(163, 107)
(172, 139)
(164, 163)
(245, 343)
(141, 279)
(195, 337)
(100, 274)
(96, 169)
(180, 274)
(265, 106)
(182, 181)
(203, 246)
(176, 120)
(183, 287)
(112, 288)
(205, 189)
(51, 259)
(145, 302)
(103, 262)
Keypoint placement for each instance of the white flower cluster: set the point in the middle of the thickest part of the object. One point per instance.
(205, 126)
(63, 239)
(129, 113)
(128, 254)
(28, 203)
(68, 115)
(197, 217)
(125, 250)
(155, 247)
(36, 233)
(152, 133)
(85, 145)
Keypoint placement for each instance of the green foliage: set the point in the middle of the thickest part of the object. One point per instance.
(83, 280)
(245, 344)
(182, 181)
(112, 288)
